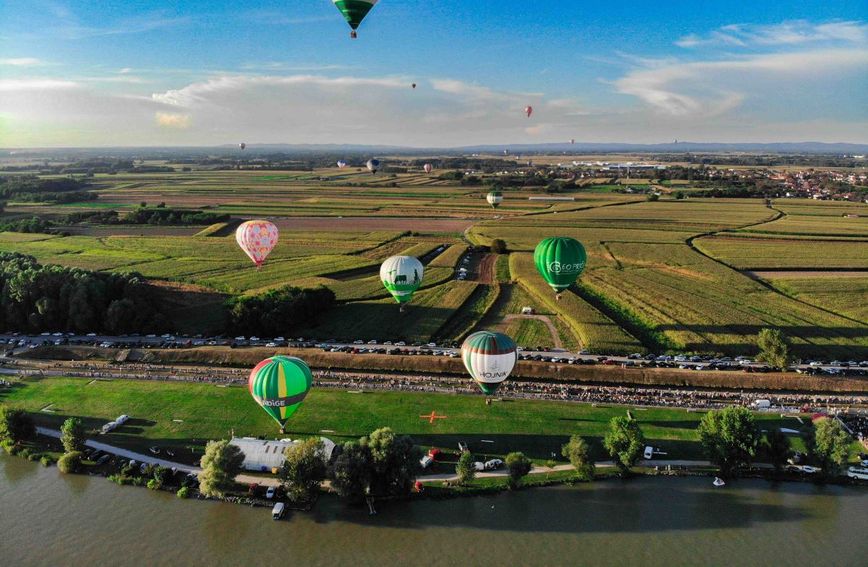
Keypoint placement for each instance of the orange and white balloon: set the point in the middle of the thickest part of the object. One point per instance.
(257, 238)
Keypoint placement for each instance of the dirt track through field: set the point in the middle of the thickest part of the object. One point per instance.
(556, 337)
(362, 224)
(806, 274)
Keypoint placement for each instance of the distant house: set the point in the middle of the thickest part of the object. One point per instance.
(267, 455)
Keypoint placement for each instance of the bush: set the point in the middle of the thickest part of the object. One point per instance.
(465, 470)
(578, 454)
(70, 462)
(155, 484)
(519, 467)
(183, 492)
(15, 423)
(498, 246)
(72, 435)
(46, 460)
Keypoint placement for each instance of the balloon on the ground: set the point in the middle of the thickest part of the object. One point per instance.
(373, 165)
(494, 198)
(242, 145)
(257, 238)
(528, 110)
(428, 168)
(354, 11)
(560, 260)
(489, 358)
(402, 276)
(279, 384)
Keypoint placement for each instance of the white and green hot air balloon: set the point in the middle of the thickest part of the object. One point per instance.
(354, 11)
(494, 198)
(402, 276)
(489, 358)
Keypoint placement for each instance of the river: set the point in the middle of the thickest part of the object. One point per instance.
(47, 518)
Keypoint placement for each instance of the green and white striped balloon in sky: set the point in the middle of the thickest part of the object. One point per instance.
(489, 358)
(402, 276)
(354, 11)
(279, 384)
(560, 260)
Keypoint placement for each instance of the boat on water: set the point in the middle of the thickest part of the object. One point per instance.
(718, 481)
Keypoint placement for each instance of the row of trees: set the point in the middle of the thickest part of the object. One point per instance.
(36, 298)
(272, 312)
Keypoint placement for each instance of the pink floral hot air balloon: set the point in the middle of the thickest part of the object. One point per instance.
(428, 168)
(528, 110)
(257, 238)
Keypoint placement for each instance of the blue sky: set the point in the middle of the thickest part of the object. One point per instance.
(195, 72)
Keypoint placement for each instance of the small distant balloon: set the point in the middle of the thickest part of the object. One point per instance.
(528, 110)
(572, 141)
(373, 165)
(413, 85)
(428, 168)
(242, 145)
(341, 164)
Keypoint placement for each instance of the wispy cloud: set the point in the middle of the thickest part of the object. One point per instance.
(798, 32)
(35, 84)
(22, 62)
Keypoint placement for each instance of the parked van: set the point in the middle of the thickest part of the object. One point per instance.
(277, 511)
(860, 473)
(762, 404)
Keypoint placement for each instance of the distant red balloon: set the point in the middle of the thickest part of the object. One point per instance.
(528, 110)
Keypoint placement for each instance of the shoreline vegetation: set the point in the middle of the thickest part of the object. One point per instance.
(617, 431)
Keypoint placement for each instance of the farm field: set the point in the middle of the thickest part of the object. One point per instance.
(661, 275)
(183, 416)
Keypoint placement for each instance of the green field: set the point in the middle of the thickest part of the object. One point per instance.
(662, 275)
(183, 415)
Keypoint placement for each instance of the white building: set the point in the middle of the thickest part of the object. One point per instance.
(267, 455)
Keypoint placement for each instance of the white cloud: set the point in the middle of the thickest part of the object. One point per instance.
(173, 120)
(798, 32)
(22, 62)
(710, 88)
(35, 84)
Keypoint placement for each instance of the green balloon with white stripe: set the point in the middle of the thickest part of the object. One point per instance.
(489, 358)
(279, 385)
(354, 11)
(402, 276)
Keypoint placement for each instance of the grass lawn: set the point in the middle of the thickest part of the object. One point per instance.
(184, 416)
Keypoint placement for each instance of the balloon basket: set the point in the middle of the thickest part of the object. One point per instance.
(353, 35)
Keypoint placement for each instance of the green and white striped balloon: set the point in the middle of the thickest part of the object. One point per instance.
(489, 358)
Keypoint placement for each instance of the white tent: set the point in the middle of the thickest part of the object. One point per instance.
(265, 455)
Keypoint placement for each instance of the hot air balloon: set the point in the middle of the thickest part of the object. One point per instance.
(427, 167)
(572, 141)
(257, 238)
(279, 384)
(341, 164)
(354, 12)
(242, 145)
(402, 276)
(528, 110)
(560, 260)
(494, 198)
(413, 85)
(373, 165)
(489, 358)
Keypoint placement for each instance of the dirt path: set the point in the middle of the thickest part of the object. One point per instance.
(805, 274)
(484, 269)
(556, 337)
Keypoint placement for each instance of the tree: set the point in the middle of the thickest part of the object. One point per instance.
(729, 438)
(774, 348)
(72, 435)
(395, 462)
(16, 424)
(465, 470)
(653, 196)
(578, 454)
(777, 446)
(624, 441)
(69, 462)
(830, 445)
(498, 246)
(352, 471)
(304, 469)
(220, 465)
(519, 467)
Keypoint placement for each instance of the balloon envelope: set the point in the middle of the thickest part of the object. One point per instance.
(489, 358)
(494, 198)
(402, 276)
(342, 164)
(242, 145)
(428, 168)
(528, 110)
(560, 260)
(354, 11)
(373, 165)
(279, 385)
(257, 238)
